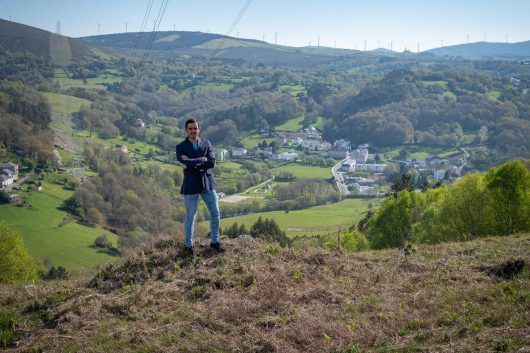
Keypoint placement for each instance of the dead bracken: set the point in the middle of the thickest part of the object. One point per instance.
(259, 297)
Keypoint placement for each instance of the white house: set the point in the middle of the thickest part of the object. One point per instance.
(294, 141)
(342, 144)
(376, 168)
(316, 144)
(6, 180)
(360, 155)
(265, 153)
(8, 174)
(239, 152)
(222, 154)
(287, 156)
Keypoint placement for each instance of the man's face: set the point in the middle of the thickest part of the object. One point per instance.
(192, 130)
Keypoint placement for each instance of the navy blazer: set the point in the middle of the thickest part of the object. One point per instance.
(198, 173)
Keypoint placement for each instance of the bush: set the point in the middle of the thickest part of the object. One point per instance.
(103, 242)
(16, 266)
(350, 241)
(478, 205)
(509, 187)
(391, 225)
(8, 334)
(269, 230)
(54, 273)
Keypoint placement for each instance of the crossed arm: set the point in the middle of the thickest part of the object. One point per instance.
(201, 163)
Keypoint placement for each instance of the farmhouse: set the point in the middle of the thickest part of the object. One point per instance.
(6, 180)
(287, 156)
(239, 152)
(8, 174)
(341, 144)
(316, 144)
(377, 168)
(360, 155)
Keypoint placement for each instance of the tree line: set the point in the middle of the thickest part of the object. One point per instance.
(478, 205)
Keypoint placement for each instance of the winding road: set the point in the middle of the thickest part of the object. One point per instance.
(343, 189)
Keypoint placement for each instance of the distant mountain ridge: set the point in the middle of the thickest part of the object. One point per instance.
(17, 37)
(206, 44)
(485, 50)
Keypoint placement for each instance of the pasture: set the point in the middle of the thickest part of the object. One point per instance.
(305, 171)
(47, 231)
(323, 219)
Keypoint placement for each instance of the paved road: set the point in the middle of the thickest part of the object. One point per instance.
(343, 189)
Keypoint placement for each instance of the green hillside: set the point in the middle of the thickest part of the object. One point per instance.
(49, 232)
(61, 50)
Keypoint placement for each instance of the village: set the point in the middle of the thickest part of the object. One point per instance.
(358, 172)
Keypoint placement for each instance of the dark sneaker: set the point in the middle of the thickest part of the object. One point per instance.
(188, 251)
(217, 247)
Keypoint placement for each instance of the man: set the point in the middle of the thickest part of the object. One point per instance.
(198, 158)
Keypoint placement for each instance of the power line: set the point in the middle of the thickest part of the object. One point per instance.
(230, 29)
(158, 20)
(142, 27)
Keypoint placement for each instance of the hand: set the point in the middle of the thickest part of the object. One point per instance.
(184, 157)
(204, 159)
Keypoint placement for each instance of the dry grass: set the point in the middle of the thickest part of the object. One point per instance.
(260, 298)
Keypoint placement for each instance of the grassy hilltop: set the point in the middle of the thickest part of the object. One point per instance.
(257, 297)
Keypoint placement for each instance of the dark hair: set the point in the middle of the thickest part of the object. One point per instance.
(191, 121)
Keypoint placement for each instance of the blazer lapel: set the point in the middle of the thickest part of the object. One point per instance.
(200, 147)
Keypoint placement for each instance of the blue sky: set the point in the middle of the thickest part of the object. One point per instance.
(346, 24)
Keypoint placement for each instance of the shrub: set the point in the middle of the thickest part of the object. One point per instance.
(16, 266)
(54, 273)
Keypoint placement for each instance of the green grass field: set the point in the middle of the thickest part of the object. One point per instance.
(258, 190)
(448, 152)
(253, 140)
(291, 125)
(324, 219)
(92, 83)
(422, 153)
(305, 171)
(141, 146)
(230, 174)
(220, 87)
(47, 235)
(431, 83)
(64, 104)
(319, 124)
(293, 90)
(493, 95)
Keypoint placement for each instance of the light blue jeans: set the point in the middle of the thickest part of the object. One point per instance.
(191, 202)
